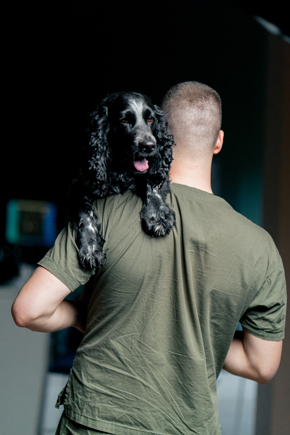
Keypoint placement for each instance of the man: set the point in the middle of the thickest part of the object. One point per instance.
(162, 312)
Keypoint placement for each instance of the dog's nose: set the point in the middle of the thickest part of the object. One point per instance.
(147, 146)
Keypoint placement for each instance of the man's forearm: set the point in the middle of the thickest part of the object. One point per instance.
(253, 358)
(67, 314)
(41, 305)
(237, 362)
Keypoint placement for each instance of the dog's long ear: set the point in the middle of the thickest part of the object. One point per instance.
(165, 139)
(97, 151)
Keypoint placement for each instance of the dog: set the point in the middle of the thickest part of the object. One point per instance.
(128, 147)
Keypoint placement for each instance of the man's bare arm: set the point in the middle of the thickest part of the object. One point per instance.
(40, 305)
(253, 358)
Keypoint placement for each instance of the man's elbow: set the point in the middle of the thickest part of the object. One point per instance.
(266, 374)
(20, 316)
(24, 317)
(264, 379)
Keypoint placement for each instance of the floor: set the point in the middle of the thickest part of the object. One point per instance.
(236, 400)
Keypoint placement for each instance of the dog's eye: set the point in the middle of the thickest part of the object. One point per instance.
(150, 119)
(124, 121)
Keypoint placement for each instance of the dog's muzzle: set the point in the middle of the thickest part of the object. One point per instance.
(146, 150)
(147, 147)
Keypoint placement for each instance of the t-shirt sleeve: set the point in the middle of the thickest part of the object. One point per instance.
(265, 316)
(62, 261)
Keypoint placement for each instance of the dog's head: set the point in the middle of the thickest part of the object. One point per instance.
(129, 133)
(131, 117)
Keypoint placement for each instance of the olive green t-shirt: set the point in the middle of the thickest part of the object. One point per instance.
(163, 313)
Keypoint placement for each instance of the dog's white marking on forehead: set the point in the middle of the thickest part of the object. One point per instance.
(136, 105)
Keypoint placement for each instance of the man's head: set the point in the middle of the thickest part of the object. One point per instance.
(194, 114)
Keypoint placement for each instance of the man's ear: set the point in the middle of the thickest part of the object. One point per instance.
(219, 143)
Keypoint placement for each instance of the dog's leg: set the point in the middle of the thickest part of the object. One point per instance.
(89, 239)
(156, 216)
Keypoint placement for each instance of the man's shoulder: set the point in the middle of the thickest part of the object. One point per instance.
(215, 210)
(114, 201)
(118, 210)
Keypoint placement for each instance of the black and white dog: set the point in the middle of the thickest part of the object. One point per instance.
(128, 147)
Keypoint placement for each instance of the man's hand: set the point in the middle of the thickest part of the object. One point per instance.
(253, 358)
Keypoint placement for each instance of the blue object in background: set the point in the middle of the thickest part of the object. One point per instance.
(31, 223)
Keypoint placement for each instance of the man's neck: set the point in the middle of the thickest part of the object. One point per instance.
(192, 175)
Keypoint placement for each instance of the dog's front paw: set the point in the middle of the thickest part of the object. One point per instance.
(90, 257)
(157, 222)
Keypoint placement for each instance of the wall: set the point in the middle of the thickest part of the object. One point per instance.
(273, 417)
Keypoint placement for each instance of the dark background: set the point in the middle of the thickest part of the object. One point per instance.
(64, 60)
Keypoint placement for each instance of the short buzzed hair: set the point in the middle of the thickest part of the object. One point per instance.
(194, 114)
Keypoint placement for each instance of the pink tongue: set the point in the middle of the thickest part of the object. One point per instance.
(141, 165)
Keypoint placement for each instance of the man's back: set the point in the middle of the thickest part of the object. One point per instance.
(164, 311)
